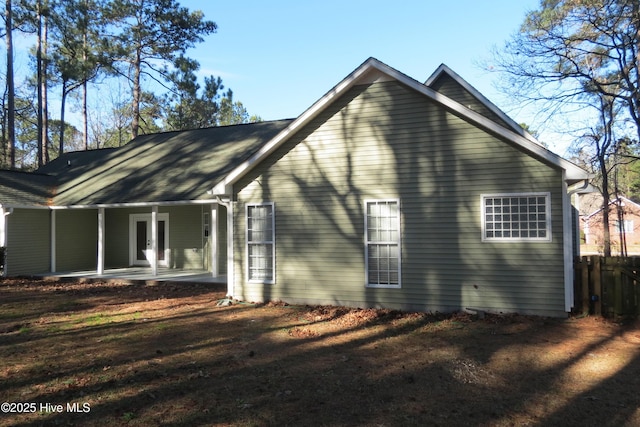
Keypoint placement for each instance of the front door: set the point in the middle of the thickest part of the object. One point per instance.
(140, 239)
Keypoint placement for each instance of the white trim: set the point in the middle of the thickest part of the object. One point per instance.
(549, 228)
(271, 242)
(112, 205)
(154, 241)
(363, 74)
(231, 274)
(3, 225)
(613, 201)
(213, 239)
(444, 69)
(567, 247)
(101, 241)
(52, 265)
(367, 243)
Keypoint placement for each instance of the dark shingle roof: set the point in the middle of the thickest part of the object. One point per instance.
(25, 188)
(162, 167)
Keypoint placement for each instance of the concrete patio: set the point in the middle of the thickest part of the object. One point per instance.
(142, 274)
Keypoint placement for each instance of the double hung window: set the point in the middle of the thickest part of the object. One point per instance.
(260, 243)
(382, 243)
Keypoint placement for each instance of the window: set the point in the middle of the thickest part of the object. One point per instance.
(260, 243)
(382, 243)
(627, 226)
(516, 217)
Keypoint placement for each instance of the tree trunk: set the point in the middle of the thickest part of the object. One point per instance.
(39, 80)
(137, 94)
(85, 116)
(605, 207)
(63, 102)
(11, 110)
(45, 76)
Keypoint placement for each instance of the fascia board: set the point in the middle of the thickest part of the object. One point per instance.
(597, 211)
(224, 186)
(136, 204)
(444, 69)
(573, 172)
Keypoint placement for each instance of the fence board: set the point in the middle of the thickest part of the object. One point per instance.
(607, 286)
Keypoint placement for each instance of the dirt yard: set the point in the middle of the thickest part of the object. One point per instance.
(114, 354)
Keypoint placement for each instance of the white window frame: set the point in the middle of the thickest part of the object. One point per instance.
(547, 217)
(368, 243)
(271, 241)
(627, 228)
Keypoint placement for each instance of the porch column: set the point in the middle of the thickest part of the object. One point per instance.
(213, 234)
(4, 238)
(53, 240)
(154, 241)
(230, 263)
(100, 264)
(3, 226)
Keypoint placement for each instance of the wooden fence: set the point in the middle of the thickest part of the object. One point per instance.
(607, 286)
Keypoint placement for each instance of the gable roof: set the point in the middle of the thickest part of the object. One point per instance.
(371, 71)
(620, 199)
(444, 76)
(155, 168)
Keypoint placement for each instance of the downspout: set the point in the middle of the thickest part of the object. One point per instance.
(230, 265)
(568, 241)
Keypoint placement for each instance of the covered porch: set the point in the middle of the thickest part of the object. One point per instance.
(142, 274)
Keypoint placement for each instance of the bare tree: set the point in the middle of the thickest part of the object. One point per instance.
(580, 56)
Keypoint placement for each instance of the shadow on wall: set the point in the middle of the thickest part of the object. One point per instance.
(385, 141)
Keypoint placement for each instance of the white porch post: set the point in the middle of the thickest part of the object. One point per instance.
(213, 235)
(154, 241)
(100, 264)
(230, 263)
(3, 226)
(53, 240)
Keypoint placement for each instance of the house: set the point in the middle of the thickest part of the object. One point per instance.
(94, 209)
(624, 225)
(386, 192)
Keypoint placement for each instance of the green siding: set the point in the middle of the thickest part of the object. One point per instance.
(447, 86)
(186, 235)
(76, 239)
(28, 242)
(186, 241)
(116, 240)
(386, 141)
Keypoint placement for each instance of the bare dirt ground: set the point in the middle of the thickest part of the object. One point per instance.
(113, 354)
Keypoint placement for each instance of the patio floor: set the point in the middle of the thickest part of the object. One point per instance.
(142, 274)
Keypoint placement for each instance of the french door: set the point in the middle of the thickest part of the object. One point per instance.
(140, 243)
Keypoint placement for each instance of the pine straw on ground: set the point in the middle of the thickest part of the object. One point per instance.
(176, 354)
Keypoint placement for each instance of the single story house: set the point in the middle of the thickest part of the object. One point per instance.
(386, 192)
(624, 225)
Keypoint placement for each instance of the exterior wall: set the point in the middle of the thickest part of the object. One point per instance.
(385, 141)
(28, 242)
(186, 238)
(447, 86)
(76, 239)
(186, 234)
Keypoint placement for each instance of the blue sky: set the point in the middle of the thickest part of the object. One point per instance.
(279, 56)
